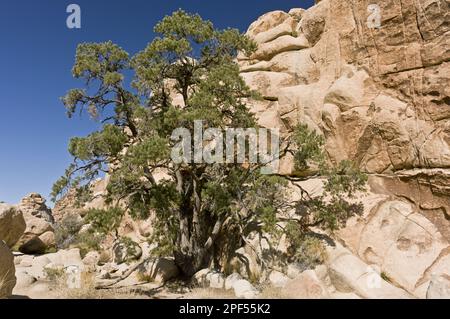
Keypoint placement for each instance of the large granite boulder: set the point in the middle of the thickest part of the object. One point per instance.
(7, 271)
(12, 224)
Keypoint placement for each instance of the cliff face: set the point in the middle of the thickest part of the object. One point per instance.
(381, 98)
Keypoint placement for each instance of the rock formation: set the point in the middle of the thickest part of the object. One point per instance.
(39, 233)
(380, 98)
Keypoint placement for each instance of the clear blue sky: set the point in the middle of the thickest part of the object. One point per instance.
(36, 56)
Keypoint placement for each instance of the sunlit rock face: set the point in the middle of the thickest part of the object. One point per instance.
(380, 95)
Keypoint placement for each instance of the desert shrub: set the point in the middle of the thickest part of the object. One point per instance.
(88, 241)
(54, 274)
(67, 234)
(305, 249)
(144, 277)
(67, 230)
(311, 252)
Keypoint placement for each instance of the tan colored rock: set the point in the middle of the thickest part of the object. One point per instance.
(390, 85)
(297, 13)
(30, 242)
(69, 257)
(266, 22)
(403, 243)
(216, 280)
(297, 63)
(7, 271)
(439, 288)
(278, 279)
(313, 22)
(160, 270)
(243, 289)
(282, 44)
(285, 28)
(34, 205)
(305, 286)
(257, 66)
(24, 280)
(349, 274)
(92, 259)
(231, 279)
(36, 268)
(12, 224)
(48, 238)
(268, 83)
(38, 218)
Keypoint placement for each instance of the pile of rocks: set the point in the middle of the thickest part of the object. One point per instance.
(39, 235)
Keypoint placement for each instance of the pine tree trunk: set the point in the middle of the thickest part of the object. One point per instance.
(198, 230)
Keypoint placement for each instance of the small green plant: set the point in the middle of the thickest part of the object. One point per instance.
(127, 250)
(144, 277)
(54, 274)
(307, 250)
(88, 241)
(67, 230)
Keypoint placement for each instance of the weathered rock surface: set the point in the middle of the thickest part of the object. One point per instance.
(126, 251)
(439, 288)
(160, 270)
(7, 271)
(278, 279)
(350, 274)
(34, 205)
(379, 95)
(231, 279)
(244, 289)
(12, 224)
(407, 242)
(39, 233)
(306, 286)
(37, 272)
(67, 204)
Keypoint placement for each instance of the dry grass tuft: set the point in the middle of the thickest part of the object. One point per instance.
(5, 285)
(88, 290)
